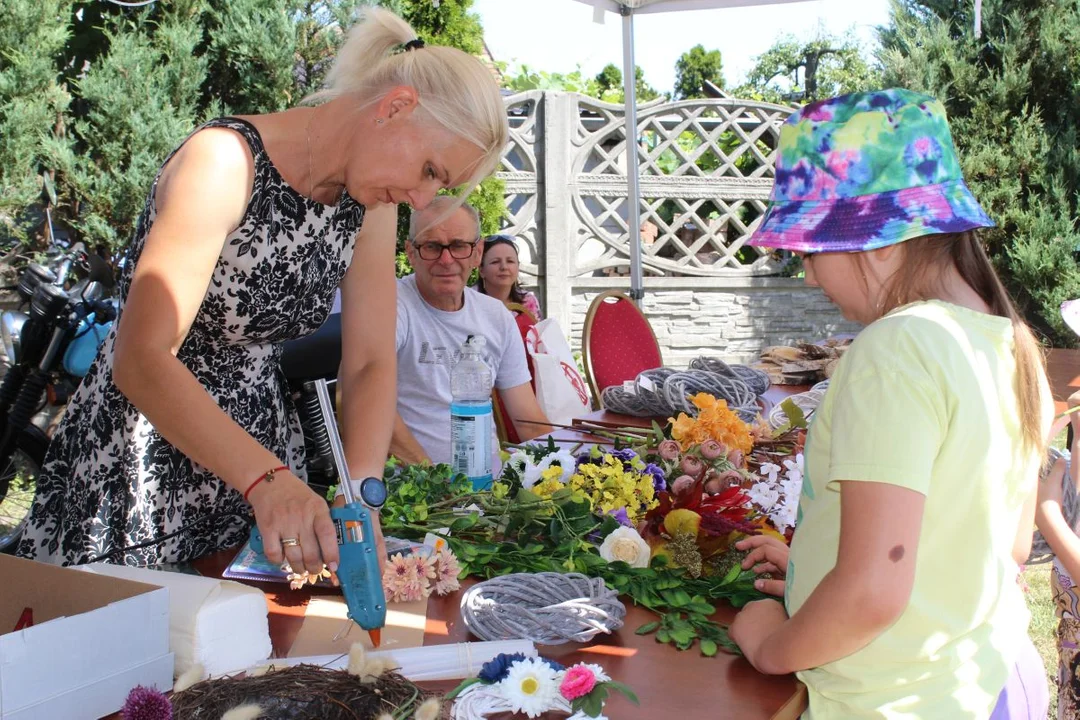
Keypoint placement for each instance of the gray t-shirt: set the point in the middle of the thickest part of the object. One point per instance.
(429, 342)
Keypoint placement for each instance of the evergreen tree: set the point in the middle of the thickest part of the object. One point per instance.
(100, 93)
(693, 68)
(824, 67)
(1012, 98)
(32, 106)
(137, 102)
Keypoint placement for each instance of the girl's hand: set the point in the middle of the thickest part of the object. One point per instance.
(767, 554)
(288, 508)
(753, 625)
(1074, 418)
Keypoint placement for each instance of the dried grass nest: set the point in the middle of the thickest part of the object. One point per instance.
(305, 692)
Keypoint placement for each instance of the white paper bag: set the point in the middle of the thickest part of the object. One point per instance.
(560, 389)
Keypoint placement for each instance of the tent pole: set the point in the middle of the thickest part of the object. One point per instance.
(633, 201)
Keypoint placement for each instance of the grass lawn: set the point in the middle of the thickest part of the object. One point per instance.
(1043, 624)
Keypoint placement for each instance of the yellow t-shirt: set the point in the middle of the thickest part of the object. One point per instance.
(924, 399)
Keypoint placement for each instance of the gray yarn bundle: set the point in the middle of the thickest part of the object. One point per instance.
(548, 608)
(1070, 508)
(666, 391)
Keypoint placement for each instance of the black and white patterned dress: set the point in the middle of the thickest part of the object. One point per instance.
(110, 480)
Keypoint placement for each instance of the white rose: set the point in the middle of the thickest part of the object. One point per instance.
(626, 545)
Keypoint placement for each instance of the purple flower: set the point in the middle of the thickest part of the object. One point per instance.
(145, 703)
(498, 667)
(620, 515)
(625, 456)
(657, 472)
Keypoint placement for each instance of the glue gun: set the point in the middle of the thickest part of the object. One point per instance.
(358, 563)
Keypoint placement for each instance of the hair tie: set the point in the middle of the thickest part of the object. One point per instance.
(414, 44)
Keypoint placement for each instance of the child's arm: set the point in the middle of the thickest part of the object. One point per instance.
(1049, 516)
(859, 598)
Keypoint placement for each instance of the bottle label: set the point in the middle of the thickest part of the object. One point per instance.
(471, 428)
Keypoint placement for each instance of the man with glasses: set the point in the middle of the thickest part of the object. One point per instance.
(436, 312)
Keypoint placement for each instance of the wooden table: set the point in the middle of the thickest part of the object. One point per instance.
(680, 684)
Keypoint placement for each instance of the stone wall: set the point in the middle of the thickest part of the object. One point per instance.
(730, 318)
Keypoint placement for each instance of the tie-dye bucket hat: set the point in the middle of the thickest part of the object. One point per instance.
(866, 170)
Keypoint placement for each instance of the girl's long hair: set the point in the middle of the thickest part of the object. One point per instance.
(925, 257)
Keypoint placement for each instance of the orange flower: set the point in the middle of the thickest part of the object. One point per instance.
(704, 401)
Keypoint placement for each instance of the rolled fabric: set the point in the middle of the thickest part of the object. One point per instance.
(454, 661)
(218, 624)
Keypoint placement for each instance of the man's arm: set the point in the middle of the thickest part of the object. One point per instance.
(524, 411)
(404, 446)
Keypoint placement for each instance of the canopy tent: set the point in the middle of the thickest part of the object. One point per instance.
(628, 9)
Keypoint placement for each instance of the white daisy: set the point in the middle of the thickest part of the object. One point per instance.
(531, 475)
(517, 461)
(564, 460)
(598, 671)
(530, 686)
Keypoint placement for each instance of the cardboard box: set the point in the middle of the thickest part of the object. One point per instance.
(94, 638)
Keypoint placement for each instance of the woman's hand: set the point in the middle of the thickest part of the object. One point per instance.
(767, 555)
(288, 508)
(752, 627)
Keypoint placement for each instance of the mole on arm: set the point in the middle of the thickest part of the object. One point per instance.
(897, 553)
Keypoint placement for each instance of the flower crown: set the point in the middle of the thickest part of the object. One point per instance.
(534, 686)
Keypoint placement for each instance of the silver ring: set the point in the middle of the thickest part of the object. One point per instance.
(290, 542)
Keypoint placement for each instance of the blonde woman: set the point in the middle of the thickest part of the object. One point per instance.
(183, 427)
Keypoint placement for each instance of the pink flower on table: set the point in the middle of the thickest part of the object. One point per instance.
(669, 450)
(711, 450)
(682, 484)
(402, 580)
(692, 465)
(578, 681)
(446, 572)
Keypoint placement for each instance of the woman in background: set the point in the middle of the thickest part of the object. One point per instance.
(499, 274)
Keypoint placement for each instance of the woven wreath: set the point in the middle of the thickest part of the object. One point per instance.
(548, 608)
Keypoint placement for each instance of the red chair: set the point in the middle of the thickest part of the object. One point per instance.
(504, 424)
(617, 342)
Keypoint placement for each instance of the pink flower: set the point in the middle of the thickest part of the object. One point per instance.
(669, 450)
(446, 572)
(682, 484)
(692, 465)
(735, 457)
(402, 580)
(711, 449)
(579, 681)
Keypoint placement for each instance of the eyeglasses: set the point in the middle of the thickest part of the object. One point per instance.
(459, 249)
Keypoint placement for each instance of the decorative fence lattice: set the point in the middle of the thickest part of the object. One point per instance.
(706, 168)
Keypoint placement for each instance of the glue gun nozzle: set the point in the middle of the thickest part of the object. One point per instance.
(376, 636)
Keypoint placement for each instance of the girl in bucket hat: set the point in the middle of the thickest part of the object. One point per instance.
(901, 598)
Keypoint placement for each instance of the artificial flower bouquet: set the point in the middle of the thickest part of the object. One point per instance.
(534, 686)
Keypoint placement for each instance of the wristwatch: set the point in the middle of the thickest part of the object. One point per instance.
(372, 492)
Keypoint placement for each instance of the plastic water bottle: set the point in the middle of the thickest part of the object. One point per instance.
(471, 419)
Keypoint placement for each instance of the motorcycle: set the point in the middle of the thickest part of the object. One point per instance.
(303, 361)
(49, 349)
